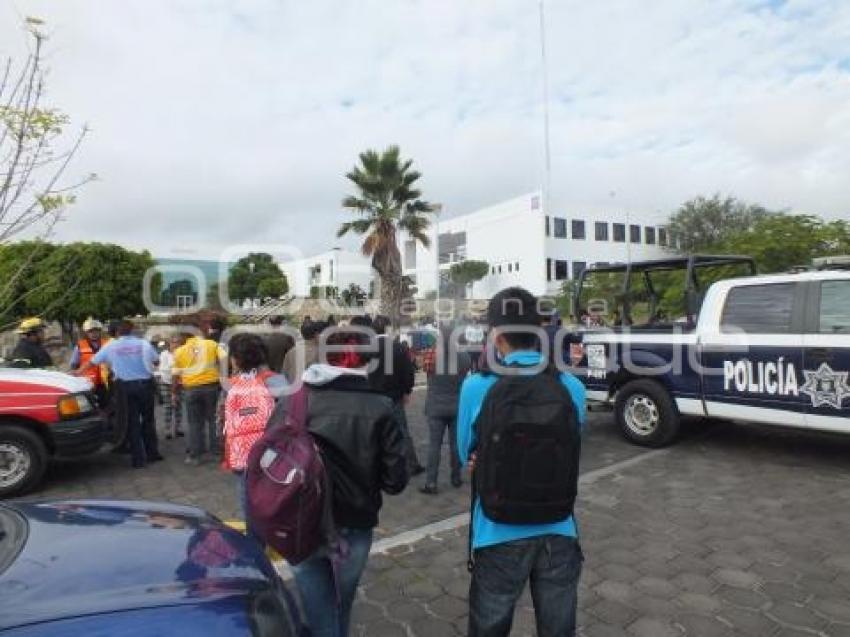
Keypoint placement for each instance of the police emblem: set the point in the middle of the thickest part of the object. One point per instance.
(826, 387)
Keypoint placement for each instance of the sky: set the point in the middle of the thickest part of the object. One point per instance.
(216, 122)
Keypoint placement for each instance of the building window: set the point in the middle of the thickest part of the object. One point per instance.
(510, 267)
(516, 266)
(500, 269)
(601, 231)
(561, 268)
(331, 271)
(578, 229)
(560, 228)
(548, 269)
(662, 236)
(548, 230)
(493, 270)
(634, 234)
(620, 232)
(649, 235)
(578, 268)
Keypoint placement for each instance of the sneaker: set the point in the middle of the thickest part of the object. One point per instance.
(192, 462)
(457, 483)
(429, 489)
(168, 436)
(417, 470)
(180, 434)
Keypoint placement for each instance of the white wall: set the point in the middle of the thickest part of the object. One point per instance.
(339, 268)
(513, 232)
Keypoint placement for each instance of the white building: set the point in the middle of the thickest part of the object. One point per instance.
(528, 246)
(335, 268)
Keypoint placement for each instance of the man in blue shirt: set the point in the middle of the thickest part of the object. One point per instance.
(506, 556)
(132, 360)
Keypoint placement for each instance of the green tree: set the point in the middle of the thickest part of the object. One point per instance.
(256, 277)
(464, 273)
(779, 242)
(78, 280)
(353, 295)
(19, 263)
(701, 224)
(387, 201)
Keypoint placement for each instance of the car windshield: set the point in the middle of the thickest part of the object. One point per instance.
(13, 536)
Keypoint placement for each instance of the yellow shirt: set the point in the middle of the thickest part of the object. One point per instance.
(197, 362)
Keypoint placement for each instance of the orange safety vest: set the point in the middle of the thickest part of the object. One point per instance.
(98, 375)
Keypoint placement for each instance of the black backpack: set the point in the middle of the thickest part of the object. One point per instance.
(528, 450)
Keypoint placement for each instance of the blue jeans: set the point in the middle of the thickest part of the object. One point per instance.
(552, 564)
(437, 426)
(315, 581)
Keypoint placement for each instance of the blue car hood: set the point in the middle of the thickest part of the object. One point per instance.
(90, 557)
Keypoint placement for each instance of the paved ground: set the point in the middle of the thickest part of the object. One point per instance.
(735, 530)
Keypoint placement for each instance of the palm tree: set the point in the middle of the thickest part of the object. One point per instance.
(387, 202)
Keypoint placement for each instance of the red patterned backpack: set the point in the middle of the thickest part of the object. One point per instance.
(247, 409)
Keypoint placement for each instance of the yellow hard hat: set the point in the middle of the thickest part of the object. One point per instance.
(92, 324)
(31, 325)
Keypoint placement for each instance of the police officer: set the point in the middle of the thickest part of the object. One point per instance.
(132, 360)
(30, 351)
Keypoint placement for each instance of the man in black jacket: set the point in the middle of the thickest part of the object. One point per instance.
(394, 377)
(30, 351)
(363, 450)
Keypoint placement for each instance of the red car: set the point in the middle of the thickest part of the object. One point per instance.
(43, 414)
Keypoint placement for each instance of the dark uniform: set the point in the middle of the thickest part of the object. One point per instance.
(29, 354)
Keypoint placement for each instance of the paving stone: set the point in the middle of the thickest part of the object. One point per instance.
(387, 629)
(618, 572)
(702, 626)
(422, 590)
(796, 616)
(780, 591)
(448, 607)
(694, 583)
(603, 630)
(430, 626)
(734, 577)
(650, 627)
(838, 630)
(655, 586)
(653, 606)
(612, 612)
(699, 603)
(748, 622)
(406, 611)
(834, 609)
(742, 597)
(616, 591)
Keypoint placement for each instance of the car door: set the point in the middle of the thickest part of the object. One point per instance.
(752, 365)
(826, 385)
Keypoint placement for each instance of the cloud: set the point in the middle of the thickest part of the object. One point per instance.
(217, 123)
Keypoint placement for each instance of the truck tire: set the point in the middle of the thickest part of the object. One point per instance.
(23, 460)
(646, 413)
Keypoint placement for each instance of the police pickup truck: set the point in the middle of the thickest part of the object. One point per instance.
(679, 337)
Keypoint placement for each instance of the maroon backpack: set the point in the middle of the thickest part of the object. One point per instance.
(286, 484)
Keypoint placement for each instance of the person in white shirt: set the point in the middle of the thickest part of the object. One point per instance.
(170, 395)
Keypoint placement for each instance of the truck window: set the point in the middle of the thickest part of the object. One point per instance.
(835, 307)
(759, 309)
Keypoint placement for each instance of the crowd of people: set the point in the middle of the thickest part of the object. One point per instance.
(516, 429)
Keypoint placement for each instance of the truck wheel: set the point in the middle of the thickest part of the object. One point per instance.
(23, 460)
(646, 413)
